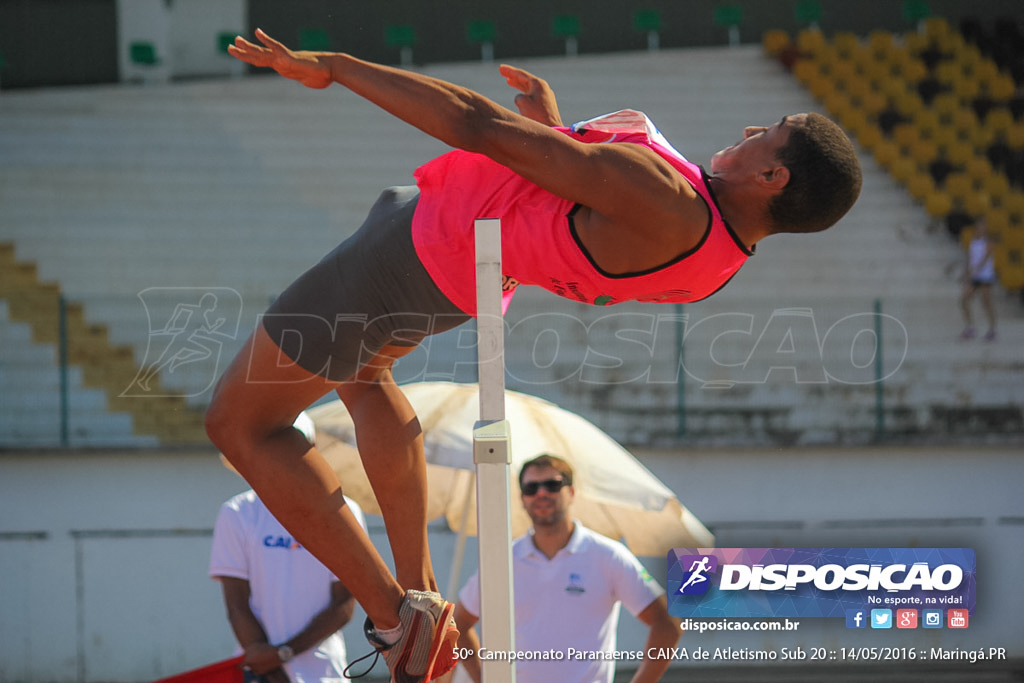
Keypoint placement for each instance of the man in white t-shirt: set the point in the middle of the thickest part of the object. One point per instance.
(569, 583)
(284, 606)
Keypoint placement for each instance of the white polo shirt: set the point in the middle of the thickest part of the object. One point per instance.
(570, 604)
(289, 586)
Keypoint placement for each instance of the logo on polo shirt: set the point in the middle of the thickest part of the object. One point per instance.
(575, 584)
(281, 542)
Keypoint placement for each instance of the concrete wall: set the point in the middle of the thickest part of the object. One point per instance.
(103, 556)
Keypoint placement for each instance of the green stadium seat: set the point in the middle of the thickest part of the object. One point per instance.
(648, 21)
(730, 16)
(567, 27)
(402, 36)
(916, 10)
(224, 40)
(482, 33)
(143, 53)
(808, 12)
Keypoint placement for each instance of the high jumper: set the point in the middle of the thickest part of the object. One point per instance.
(601, 212)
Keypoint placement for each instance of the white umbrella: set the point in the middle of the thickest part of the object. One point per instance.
(615, 494)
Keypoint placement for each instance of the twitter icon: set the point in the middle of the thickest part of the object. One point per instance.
(881, 618)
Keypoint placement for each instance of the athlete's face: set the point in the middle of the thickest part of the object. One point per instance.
(543, 506)
(758, 150)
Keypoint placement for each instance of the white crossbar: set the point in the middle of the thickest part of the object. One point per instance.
(493, 457)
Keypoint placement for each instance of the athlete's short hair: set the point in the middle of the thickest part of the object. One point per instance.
(824, 177)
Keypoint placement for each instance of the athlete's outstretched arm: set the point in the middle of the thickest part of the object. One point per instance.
(443, 110)
(628, 184)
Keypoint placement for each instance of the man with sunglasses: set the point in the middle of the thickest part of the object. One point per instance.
(569, 583)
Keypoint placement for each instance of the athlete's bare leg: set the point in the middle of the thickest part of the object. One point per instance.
(391, 447)
(250, 421)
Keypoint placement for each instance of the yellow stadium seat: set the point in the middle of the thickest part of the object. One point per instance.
(944, 136)
(805, 69)
(836, 102)
(978, 168)
(843, 71)
(873, 102)
(920, 185)
(936, 28)
(927, 122)
(959, 185)
(774, 41)
(924, 152)
(947, 71)
(898, 56)
(938, 204)
(946, 104)
(998, 119)
(810, 41)
(826, 58)
(886, 153)
(1012, 277)
(953, 43)
(861, 56)
(969, 56)
(903, 169)
(893, 89)
(880, 42)
(964, 120)
(916, 42)
(966, 88)
(859, 89)
(853, 120)
(913, 71)
(986, 71)
(870, 136)
(1013, 237)
(997, 187)
(959, 153)
(906, 135)
(845, 43)
(1015, 136)
(1013, 202)
(998, 221)
(1002, 87)
(819, 84)
(981, 137)
(975, 203)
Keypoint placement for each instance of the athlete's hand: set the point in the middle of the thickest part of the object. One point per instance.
(305, 67)
(536, 99)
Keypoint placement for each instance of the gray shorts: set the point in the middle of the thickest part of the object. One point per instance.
(370, 292)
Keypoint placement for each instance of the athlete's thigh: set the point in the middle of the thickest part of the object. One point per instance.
(263, 387)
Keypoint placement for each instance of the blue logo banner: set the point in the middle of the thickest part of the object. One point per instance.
(818, 582)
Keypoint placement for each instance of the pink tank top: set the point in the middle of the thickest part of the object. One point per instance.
(539, 243)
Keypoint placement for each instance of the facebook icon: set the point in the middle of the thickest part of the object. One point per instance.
(856, 618)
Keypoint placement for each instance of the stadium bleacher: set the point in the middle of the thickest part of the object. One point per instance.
(134, 201)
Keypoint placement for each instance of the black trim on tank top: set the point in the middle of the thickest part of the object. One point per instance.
(649, 271)
(749, 251)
